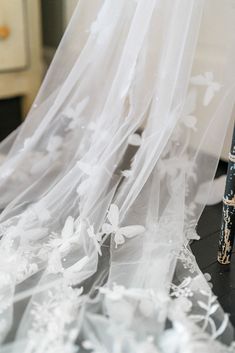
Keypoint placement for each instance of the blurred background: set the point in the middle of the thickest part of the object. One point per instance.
(30, 31)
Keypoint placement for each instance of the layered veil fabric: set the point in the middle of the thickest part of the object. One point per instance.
(101, 186)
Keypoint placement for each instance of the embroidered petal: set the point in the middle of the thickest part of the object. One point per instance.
(34, 234)
(54, 143)
(132, 231)
(96, 238)
(107, 228)
(85, 167)
(68, 229)
(69, 113)
(199, 80)
(82, 105)
(119, 238)
(210, 92)
(113, 215)
(135, 140)
(190, 121)
(83, 187)
(72, 273)
(127, 173)
(54, 263)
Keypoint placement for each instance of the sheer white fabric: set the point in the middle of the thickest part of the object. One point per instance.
(100, 184)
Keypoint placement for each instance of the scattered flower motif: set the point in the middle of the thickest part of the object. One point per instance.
(17, 263)
(127, 173)
(44, 162)
(210, 307)
(208, 279)
(183, 289)
(102, 27)
(190, 121)
(96, 237)
(26, 235)
(191, 234)
(145, 300)
(54, 263)
(212, 87)
(120, 233)
(89, 170)
(172, 166)
(70, 235)
(183, 303)
(75, 114)
(135, 140)
(41, 212)
(189, 213)
(98, 130)
(88, 345)
(54, 144)
(51, 320)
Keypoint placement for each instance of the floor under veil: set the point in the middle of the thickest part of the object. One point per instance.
(101, 186)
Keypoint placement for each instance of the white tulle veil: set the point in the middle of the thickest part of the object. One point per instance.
(100, 185)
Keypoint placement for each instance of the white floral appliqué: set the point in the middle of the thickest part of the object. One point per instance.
(70, 235)
(212, 86)
(120, 233)
(96, 237)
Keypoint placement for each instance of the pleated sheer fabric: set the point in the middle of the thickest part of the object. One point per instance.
(100, 186)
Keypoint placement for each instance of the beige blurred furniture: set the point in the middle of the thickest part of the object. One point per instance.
(69, 6)
(20, 50)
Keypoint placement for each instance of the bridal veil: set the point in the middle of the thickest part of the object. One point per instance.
(101, 186)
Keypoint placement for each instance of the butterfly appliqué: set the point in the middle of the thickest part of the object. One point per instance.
(120, 233)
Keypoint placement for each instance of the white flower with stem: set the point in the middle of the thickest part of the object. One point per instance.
(209, 308)
(120, 233)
